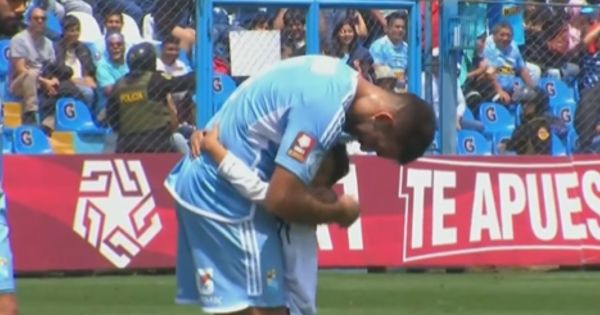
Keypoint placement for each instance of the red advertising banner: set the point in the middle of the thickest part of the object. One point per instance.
(112, 212)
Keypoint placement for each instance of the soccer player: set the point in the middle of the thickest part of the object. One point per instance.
(299, 240)
(280, 123)
(10, 14)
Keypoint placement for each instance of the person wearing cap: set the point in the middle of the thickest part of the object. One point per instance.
(534, 135)
(385, 78)
(138, 109)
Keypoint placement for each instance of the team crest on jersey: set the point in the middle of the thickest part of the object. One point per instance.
(272, 279)
(301, 147)
(206, 286)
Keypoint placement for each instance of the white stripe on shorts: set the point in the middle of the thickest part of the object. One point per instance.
(251, 259)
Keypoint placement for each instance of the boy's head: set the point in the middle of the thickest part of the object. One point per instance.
(335, 166)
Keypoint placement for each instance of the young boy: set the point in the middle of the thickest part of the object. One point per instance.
(299, 241)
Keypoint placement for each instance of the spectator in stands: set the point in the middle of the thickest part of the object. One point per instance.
(435, 91)
(385, 78)
(293, 34)
(66, 88)
(345, 43)
(169, 63)
(62, 7)
(587, 120)
(111, 68)
(392, 50)
(590, 70)
(114, 22)
(259, 22)
(137, 108)
(29, 51)
(136, 9)
(11, 14)
(505, 62)
(75, 55)
(333, 18)
(175, 18)
(533, 135)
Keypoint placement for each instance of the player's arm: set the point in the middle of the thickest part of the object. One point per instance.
(289, 199)
(304, 143)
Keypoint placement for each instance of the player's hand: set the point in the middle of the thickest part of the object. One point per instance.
(196, 143)
(349, 211)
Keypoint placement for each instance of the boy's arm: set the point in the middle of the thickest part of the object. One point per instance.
(246, 182)
(234, 170)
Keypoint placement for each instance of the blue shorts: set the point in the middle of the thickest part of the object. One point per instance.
(7, 280)
(229, 267)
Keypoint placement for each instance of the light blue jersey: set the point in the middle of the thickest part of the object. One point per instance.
(7, 282)
(287, 116)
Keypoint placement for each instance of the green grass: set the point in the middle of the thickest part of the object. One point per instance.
(511, 293)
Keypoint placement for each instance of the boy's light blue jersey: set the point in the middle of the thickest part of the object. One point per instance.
(289, 115)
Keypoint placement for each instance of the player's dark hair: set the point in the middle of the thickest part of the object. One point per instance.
(414, 126)
(341, 163)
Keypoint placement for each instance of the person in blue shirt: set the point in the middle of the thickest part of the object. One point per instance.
(392, 50)
(280, 123)
(505, 61)
(9, 25)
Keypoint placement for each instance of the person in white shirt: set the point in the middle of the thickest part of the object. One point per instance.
(299, 241)
(169, 63)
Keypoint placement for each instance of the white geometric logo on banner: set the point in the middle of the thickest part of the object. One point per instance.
(115, 210)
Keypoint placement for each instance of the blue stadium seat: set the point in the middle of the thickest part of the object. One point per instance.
(572, 141)
(518, 114)
(223, 86)
(74, 115)
(4, 60)
(472, 143)
(558, 91)
(7, 143)
(30, 139)
(496, 118)
(434, 148)
(498, 138)
(558, 146)
(565, 111)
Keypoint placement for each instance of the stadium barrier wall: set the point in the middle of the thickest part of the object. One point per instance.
(75, 213)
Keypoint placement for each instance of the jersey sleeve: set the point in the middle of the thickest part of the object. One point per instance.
(242, 178)
(310, 132)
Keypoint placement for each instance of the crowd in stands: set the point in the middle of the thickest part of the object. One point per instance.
(524, 56)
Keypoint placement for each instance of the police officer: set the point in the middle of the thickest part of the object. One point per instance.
(138, 109)
(533, 136)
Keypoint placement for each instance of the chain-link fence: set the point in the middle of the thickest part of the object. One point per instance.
(528, 84)
(72, 90)
(87, 64)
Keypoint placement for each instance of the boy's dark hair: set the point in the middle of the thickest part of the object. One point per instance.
(341, 163)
